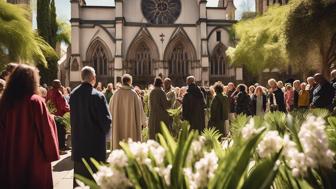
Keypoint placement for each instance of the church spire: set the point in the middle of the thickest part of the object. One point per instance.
(231, 9)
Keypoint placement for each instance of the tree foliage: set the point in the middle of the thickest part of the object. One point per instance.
(261, 42)
(47, 28)
(302, 33)
(63, 32)
(309, 29)
(18, 42)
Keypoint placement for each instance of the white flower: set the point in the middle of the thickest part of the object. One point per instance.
(205, 170)
(249, 129)
(298, 163)
(81, 185)
(165, 173)
(157, 151)
(196, 148)
(109, 178)
(315, 144)
(118, 158)
(271, 143)
(226, 144)
(289, 147)
(296, 160)
(139, 150)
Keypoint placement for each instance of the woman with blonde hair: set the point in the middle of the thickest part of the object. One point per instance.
(258, 102)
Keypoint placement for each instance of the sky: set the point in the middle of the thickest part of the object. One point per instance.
(63, 6)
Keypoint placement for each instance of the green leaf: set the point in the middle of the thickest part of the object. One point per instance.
(184, 143)
(133, 177)
(163, 142)
(87, 181)
(235, 163)
(167, 136)
(95, 163)
(262, 176)
(88, 167)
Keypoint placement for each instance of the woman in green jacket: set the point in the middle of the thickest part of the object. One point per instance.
(219, 111)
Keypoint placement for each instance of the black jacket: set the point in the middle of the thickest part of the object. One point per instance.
(242, 103)
(90, 122)
(280, 100)
(231, 94)
(296, 99)
(193, 106)
(323, 96)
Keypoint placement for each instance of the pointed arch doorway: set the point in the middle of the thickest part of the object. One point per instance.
(180, 56)
(99, 57)
(219, 66)
(141, 59)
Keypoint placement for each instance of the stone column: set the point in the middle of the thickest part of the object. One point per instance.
(202, 73)
(75, 40)
(119, 22)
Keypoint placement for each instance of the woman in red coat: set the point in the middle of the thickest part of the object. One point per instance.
(28, 138)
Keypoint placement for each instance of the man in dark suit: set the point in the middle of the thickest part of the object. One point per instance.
(193, 106)
(323, 94)
(90, 122)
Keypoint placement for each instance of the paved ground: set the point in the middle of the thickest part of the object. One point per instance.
(63, 172)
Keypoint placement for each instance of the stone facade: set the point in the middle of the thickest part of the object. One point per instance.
(27, 2)
(262, 5)
(147, 38)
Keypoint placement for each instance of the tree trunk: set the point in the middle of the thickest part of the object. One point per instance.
(325, 68)
(328, 56)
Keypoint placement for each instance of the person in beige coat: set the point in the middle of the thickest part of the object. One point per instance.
(127, 113)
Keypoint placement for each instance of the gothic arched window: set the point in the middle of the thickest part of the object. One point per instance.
(178, 62)
(218, 65)
(99, 59)
(75, 65)
(143, 61)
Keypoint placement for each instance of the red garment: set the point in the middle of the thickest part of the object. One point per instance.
(28, 145)
(58, 100)
(289, 98)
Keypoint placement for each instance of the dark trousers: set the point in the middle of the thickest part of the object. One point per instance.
(61, 132)
(80, 169)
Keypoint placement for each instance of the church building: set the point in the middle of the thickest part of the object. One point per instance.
(147, 38)
(262, 5)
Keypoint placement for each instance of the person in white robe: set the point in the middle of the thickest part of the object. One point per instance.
(127, 114)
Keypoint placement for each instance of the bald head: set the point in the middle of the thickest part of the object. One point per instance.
(190, 80)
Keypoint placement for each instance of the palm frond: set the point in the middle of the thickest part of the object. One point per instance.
(18, 42)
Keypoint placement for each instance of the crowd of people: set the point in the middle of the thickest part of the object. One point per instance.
(30, 138)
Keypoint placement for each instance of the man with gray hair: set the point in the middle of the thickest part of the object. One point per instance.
(311, 87)
(277, 98)
(333, 77)
(90, 122)
(193, 105)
